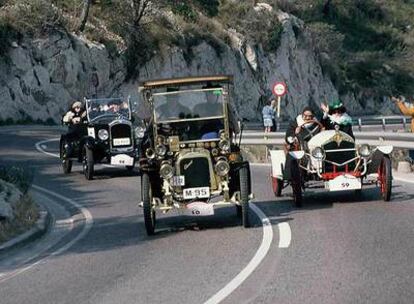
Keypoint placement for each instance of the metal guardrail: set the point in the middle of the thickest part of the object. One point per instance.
(397, 121)
(398, 140)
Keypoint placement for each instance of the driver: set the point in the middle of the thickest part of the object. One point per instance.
(172, 108)
(304, 127)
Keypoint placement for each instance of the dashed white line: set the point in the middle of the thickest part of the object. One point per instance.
(285, 235)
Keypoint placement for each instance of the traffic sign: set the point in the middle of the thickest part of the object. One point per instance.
(279, 89)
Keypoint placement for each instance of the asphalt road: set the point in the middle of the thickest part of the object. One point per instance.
(343, 249)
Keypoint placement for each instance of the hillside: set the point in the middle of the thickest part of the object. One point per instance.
(361, 51)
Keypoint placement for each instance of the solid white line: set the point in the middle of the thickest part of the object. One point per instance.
(254, 262)
(86, 228)
(285, 235)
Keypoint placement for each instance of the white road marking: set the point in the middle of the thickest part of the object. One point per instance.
(40, 146)
(254, 262)
(86, 228)
(285, 235)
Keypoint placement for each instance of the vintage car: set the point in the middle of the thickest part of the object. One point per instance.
(331, 160)
(191, 152)
(106, 136)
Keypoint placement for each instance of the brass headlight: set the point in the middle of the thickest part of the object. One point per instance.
(166, 171)
(318, 153)
(222, 167)
(161, 150)
(364, 150)
(150, 153)
(224, 145)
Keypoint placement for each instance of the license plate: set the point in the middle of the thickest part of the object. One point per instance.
(343, 182)
(178, 180)
(200, 192)
(199, 209)
(122, 160)
(122, 141)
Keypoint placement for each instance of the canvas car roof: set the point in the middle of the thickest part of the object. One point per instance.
(153, 84)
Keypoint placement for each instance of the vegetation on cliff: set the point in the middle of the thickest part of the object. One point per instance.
(365, 46)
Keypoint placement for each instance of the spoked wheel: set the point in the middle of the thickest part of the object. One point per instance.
(296, 183)
(66, 163)
(277, 185)
(88, 163)
(244, 195)
(149, 212)
(385, 178)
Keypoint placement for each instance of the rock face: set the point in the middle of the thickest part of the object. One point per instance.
(42, 76)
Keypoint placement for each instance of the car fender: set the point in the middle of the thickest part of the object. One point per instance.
(90, 142)
(278, 160)
(297, 154)
(385, 149)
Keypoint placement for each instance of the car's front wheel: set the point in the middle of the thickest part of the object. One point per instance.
(88, 163)
(149, 212)
(66, 163)
(385, 178)
(244, 195)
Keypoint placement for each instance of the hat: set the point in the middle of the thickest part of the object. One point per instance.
(77, 104)
(337, 105)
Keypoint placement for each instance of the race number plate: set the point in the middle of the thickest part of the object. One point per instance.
(178, 180)
(200, 192)
(122, 160)
(343, 182)
(122, 141)
(199, 209)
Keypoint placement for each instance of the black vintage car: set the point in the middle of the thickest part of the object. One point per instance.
(106, 136)
(191, 159)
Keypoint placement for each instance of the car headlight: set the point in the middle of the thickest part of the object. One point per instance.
(222, 167)
(224, 145)
(318, 153)
(364, 150)
(166, 171)
(161, 150)
(139, 132)
(150, 153)
(103, 134)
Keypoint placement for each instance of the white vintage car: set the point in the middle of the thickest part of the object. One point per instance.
(333, 161)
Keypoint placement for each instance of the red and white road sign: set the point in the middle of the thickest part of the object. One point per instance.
(279, 89)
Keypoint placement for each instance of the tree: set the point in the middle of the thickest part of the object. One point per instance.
(139, 9)
(84, 15)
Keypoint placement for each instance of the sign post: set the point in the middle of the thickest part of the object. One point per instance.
(279, 89)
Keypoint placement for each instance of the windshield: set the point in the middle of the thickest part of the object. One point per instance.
(116, 107)
(195, 104)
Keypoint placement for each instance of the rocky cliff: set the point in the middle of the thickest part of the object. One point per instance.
(42, 76)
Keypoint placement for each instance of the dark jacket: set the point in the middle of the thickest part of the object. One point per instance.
(329, 124)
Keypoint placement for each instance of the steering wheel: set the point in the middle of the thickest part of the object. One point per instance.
(310, 133)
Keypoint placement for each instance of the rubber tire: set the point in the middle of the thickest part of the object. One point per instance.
(88, 163)
(386, 169)
(296, 183)
(277, 186)
(149, 212)
(66, 163)
(244, 195)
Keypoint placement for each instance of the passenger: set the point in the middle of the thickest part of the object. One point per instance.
(304, 127)
(74, 119)
(335, 115)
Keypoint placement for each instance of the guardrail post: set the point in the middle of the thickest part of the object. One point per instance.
(383, 124)
(360, 124)
(404, 123)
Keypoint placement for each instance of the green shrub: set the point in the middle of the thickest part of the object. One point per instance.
(185, 10)
(21, 177)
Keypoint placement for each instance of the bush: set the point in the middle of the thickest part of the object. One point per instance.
(31, 17)
(21, 177)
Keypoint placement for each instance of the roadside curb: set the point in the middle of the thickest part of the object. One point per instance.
(40, 228)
